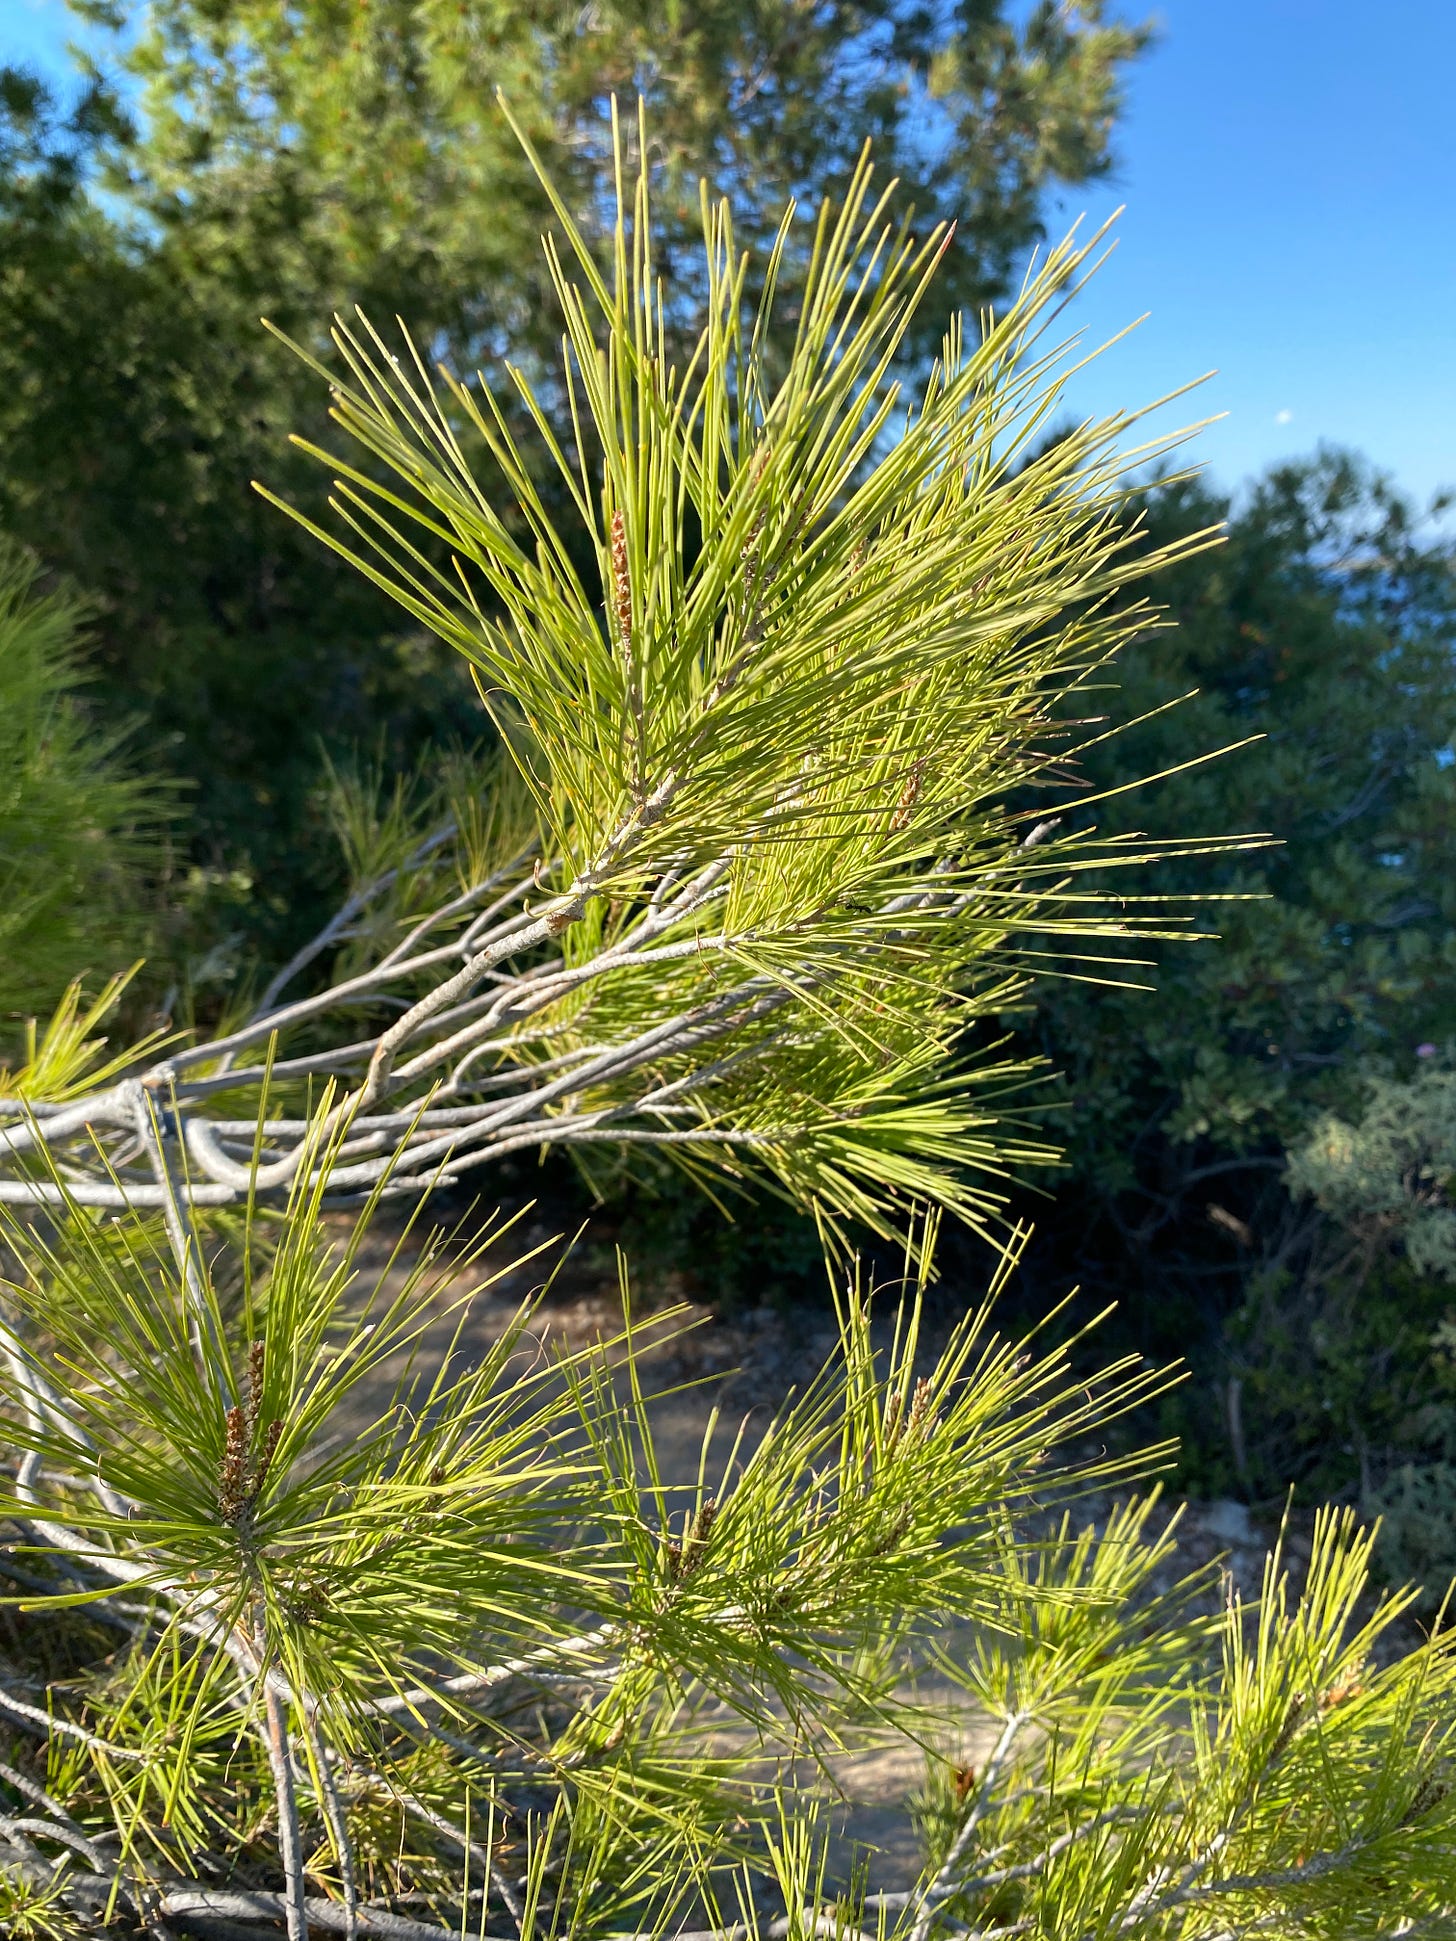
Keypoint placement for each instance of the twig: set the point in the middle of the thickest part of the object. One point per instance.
(290, 1843)
(418, 1809)
(42, 1724)
(353, 906)
(337, 1818)
(470, 1684)
(945, 1883)
(183, 1902)
(182, 1233)
(1315, 1868)
(58, 1824)
(63, 1830)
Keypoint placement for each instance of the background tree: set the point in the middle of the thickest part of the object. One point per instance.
(1325, 628)
(295, 161)
(328, 152)
(130, 474)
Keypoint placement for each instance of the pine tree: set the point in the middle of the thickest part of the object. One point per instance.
(472, 1666)
(82, 832)
(245, 159)
(339, 1650)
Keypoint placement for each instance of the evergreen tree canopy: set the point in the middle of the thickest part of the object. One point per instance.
(327, 153)
(293, 161)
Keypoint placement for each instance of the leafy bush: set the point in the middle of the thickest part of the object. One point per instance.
(1417, 1511)
(1389, 1178)
(1318, 645)
(1342, 1353)
(1385, 1180)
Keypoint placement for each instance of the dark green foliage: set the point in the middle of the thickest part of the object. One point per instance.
(134, 404)
(1384, 1335)
(296, 161)
(337, 153)
(1388, 1178)
(82, 834)
(1325, 628)
(736, 1253)
(1417, 1510)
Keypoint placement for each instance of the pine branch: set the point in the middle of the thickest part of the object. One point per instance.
(945, 1882)
(184, 1902)
(748, 872)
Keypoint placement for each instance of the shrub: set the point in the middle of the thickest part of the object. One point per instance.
(1417, 1510)
(1320, 638)
(1389, 1178)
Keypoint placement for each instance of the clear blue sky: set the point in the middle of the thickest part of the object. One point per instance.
(1289, 174)
(1289, 171)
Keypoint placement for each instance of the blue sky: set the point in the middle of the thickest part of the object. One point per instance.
(1289, 174)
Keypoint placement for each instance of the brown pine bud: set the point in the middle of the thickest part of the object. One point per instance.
(613, 1739)
(1429, 1793)
(621, 582)
(894, 1409)
(889, 1542)
(1337, 1694)
(909, 796)
(920, 1408)
(255, 1385)
(701, 1530)
(1297, 1707)
(265, 1459)
(232, 1483)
